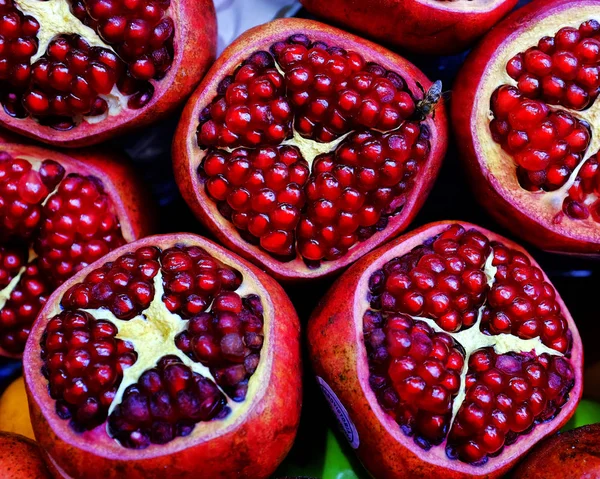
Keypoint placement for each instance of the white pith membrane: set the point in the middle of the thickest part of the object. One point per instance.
(501, 166)
(56, 19)
(311, 149)
(466, 6)
(152, 333)
(470, 340)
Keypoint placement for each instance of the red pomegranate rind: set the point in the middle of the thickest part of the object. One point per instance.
(524, 113)
(396, 374)
(435, 27)
(286, 94)
(570, 455)
(109, 66)
(20, 458)
(175, 393)
(59, 214)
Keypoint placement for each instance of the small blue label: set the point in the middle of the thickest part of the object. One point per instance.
(346, 424)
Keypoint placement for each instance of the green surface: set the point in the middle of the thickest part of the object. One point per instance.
(588, 412)
(336, 460)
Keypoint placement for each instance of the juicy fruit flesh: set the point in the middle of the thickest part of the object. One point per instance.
(544, 118)
(310, 148)
(466, 345)
(152, 344)
(82, 72)
(52, 224)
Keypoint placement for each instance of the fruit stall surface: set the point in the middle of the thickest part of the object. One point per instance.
(320, 450)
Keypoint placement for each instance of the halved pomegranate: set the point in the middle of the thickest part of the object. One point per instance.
(76, 72)
(446, 353)
(525, 112)
(305, 147)
(438, 27)
(58, 213)
(169, 354)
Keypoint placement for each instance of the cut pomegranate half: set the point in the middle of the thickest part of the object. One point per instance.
(525, 111)
(172, 354)
(436, 27)
(58, 213)
(305, 147)
(450, 350)
(76, 72)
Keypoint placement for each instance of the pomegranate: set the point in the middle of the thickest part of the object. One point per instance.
(58, 213)
(170, 353)
(446, 353)
(76, 72)
(570, 455)
(20, 458)
(525, 114)
(438, 27)
(305, 147)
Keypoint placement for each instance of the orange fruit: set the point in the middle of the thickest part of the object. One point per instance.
(14, 411)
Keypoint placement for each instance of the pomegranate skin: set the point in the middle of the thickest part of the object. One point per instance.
(339, 357)
(569, 455)
(20, 458)
(130, 198)
(252, 446)
(195, 44)
(186, 150)
(430, 27)
(497, 191)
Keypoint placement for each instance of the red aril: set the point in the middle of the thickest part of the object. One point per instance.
(525, 113)
(170, 353)
(59, 212)
(447, 353)
(305, 147)
(436, 27)
(76, 72)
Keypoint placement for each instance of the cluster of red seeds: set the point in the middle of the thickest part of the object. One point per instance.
(333, 91)
(415, 374)
(583, 200)
(442, 280)
(79, 226)
(269, 193)
(83, 363)
(261, 191)
(546, 145)
(71, 223)
(224, 332)
(561, 70)
(250, 108)
(124, 287)
(521, 302)
(228, 340)
(22, 191)
(194, 280)
(166, 402)
(69, 79)
(353, 191)
(506, 396)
